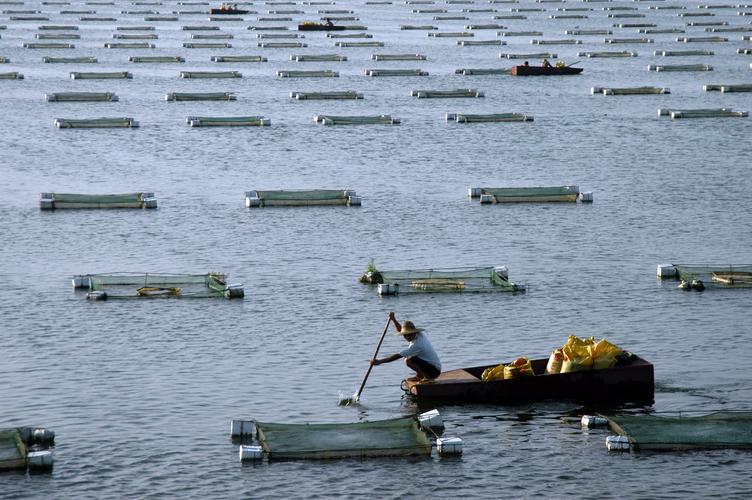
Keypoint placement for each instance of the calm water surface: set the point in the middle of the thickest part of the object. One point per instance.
(140, 394)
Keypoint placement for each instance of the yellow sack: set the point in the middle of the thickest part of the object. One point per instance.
(520, 367)
(604, 354)
(555, 361)
(576, 359)
(575, 342)
(493, 373)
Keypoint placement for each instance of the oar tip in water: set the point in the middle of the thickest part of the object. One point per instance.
(345, 400)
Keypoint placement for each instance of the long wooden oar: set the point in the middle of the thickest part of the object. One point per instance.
(355, 397)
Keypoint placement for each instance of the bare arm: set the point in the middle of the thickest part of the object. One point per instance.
(393, 319)
(388, 359)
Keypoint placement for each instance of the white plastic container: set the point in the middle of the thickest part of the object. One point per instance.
(486, 199)
(617, 443)
(502, 272)
(81, 282)
(591, 421)
(241, 427)
(666, 271)
(431, 420)
(96, 295)
(388, 288)
(449, 446)
(47, 201)
(586, 197)
(473, 192)
(353, 201)
(40, 459)
(252, 199)
(250, 453)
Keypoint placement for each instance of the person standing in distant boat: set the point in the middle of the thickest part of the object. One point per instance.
(420, 356)
(329, 22)
(526, 63)
(545, 63)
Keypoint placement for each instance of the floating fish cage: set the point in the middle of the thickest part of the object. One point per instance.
(438, 94)
(25, 448)
(657, 31)
(200, 96)
(702, 39)
(199, 28)
(356, 120)
(681, 67)
(719, 430)
(238, 59)
(81, 97)
(474, 43)
(156, 59)
(70, 60)
(212, 36)
(347, 94)
(57, 27)
(620, 53)
(399, 437)
(628, 40)
(588, 32)
(157, 285)
(95, 123)
(735, 88)
(348, 35)
(13, 75)
(268, 36)
(714, 276)
(228, 121)
(124, 45)
(136, 36)
(556, 42)
(459, 34)
(533, 55)
(123, 75)
(57, 36)
(359, 44)
(569, 194)
(483, 71)
(210, 74)
(488, 118)
(629, 90)
(420, 27)
(282, 45)
(54, 201)
(319, 57)
(683, 53)
(48, 46)
(449, 280)
(301, 197)
(209, 45)
(307, 74)
(519, 33)
(702, 113)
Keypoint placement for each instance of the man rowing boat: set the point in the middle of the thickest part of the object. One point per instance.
(420, 356)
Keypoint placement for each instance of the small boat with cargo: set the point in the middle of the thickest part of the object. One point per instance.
(327, 26)
(629, 380)
(228, 10)
(544, 70)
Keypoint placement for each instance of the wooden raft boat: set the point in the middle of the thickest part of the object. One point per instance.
(628, 383)
(320, 27)
(544, 71)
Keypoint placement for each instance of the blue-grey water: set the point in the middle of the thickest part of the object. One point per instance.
(141, 393)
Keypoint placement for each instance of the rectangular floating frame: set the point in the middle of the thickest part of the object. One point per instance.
(81, 97)
(530, 194)
(487, 118)
(433, 94)
(200, 96)
(54, 201)
(96, 123)
(356, 120)
(228, 121)
(76, 75)
(346, 94)
(301, 197)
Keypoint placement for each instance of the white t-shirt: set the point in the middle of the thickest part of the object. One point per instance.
(421, 348)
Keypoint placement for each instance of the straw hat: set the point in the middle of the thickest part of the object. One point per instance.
(407, 328)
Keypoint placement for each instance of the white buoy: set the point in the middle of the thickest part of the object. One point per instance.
(241, 427)
(473, 192)
(96, 295)
(47, 201)
(591, 421)
(234, 291)
(586, 197)
(486, 199)
(388, 288)
(353, 201)
(666, 271)
(81, 282)
(250, 453)
(502, 272)
(449, 446)
(617, 443)
(40, 459)
(431, 420)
